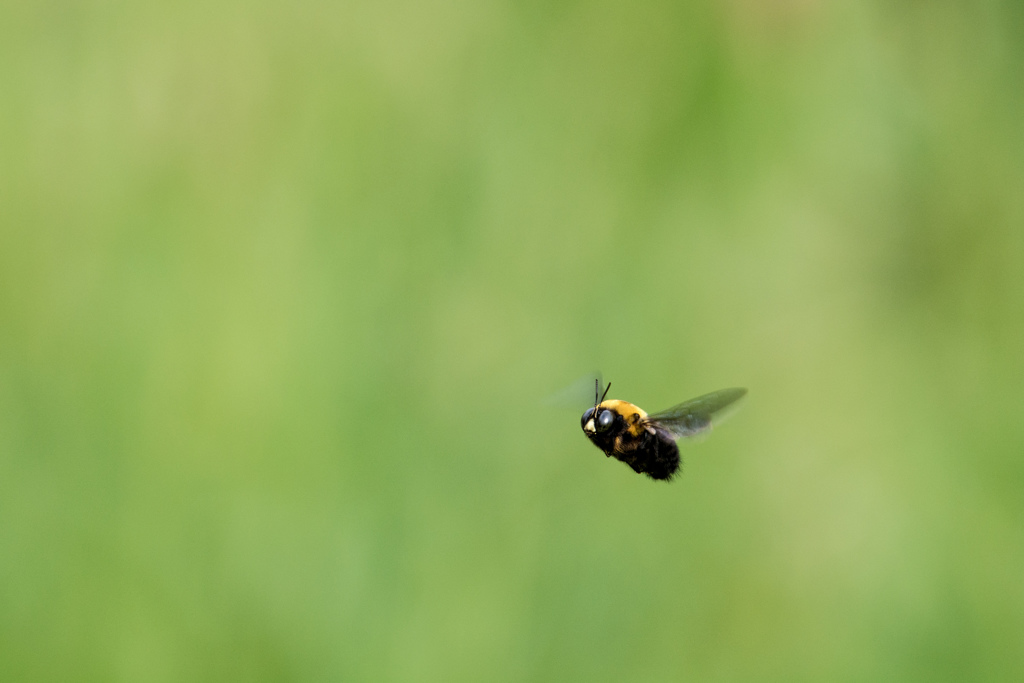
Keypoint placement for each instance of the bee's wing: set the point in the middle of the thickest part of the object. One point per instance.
(579, 394)
(697, 414)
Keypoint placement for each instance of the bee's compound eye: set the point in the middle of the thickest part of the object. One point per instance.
(605, 419)
(586, 416)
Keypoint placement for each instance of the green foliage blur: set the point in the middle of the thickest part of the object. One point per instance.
(284, 287)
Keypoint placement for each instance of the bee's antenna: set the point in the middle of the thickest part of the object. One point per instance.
(597, 392)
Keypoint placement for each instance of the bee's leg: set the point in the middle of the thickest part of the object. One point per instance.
(631, 457)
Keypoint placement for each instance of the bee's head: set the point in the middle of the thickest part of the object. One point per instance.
(605, 420)
(597, 419)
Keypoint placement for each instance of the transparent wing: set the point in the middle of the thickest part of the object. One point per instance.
(579, 394)
(696, 415)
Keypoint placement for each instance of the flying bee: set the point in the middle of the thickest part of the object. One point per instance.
(647, 443)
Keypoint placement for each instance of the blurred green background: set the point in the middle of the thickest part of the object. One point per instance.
(283, 287)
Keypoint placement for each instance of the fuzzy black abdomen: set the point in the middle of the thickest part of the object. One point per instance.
(655, 455)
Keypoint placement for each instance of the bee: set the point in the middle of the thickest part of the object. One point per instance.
(647, 443)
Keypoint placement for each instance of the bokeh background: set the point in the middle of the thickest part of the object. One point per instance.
(284, 287)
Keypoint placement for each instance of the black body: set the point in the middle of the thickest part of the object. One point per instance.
(645, 448)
